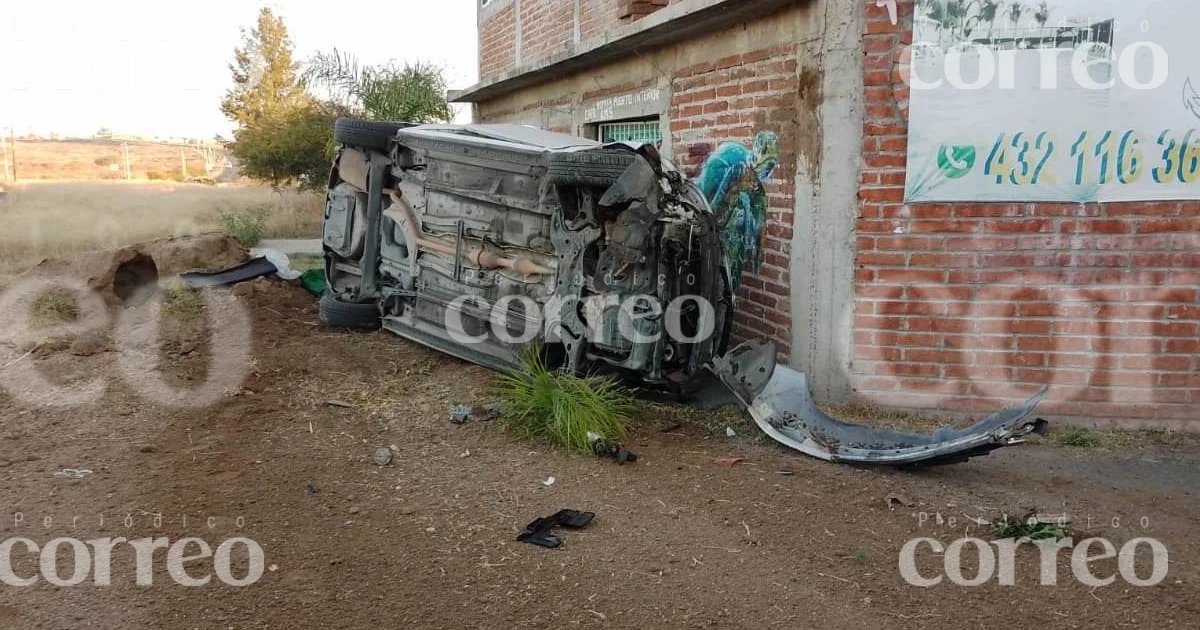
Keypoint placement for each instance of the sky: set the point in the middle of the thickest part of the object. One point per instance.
(161, 68)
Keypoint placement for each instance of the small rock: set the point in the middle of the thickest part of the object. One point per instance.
(341, 404)
(187, 347)
(243, 290)
(148, 448)
(355, 510)
(383, 456)
(729, 432)
(895, 499)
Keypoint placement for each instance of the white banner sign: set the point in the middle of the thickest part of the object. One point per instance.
(1064, 100)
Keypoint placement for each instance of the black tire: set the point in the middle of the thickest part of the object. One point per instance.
(366, 134)
(340, 314)
(589, 168)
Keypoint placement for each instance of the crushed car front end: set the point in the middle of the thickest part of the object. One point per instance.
(492, 239)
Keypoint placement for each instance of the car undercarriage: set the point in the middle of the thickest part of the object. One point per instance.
(487, 241)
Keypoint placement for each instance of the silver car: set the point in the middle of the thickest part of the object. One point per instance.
(483, 241)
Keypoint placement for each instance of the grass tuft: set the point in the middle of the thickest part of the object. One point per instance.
(1082, 437)
(560, 408)
(54, 306)
(1028, 527)
(183, 304)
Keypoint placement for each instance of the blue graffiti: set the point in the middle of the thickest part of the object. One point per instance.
(732, 180)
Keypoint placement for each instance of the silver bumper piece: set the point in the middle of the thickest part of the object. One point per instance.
(778, 399)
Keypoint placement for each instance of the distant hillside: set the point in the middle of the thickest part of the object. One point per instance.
(104, 159)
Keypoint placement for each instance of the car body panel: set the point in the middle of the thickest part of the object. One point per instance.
(778, 399)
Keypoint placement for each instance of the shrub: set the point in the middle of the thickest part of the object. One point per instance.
(247, 226)
(560, 408)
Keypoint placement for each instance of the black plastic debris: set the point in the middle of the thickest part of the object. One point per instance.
(251, 269)
(608, 448)
(540, 533)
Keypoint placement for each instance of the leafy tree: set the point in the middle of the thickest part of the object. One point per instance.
(265, 77)
(282, 134)
(410, 93)
(289, 146)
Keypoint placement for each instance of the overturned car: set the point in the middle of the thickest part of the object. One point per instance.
(483, 241)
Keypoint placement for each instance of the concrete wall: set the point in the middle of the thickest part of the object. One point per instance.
(961, 306)
(797, 75)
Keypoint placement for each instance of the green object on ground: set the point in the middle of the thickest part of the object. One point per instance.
(314, 281)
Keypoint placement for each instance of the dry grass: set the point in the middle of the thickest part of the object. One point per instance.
(105, 159)
(54, 306)
(55, 219)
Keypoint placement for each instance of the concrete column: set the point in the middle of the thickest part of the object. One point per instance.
(830, 119)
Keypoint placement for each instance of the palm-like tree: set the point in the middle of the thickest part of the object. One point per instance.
(1042, 15)
(987, 13)
(411, 93)
(1014, 14)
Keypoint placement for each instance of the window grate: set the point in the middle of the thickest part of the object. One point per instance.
(645, 131)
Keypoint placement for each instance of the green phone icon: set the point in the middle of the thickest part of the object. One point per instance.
(956, 162)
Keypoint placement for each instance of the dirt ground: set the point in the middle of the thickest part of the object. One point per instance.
(780, 541)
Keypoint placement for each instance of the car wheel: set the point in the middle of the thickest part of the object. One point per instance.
(589, 168)
(367, 134)
(341, 314)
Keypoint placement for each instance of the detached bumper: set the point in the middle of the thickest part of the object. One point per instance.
(778, 399)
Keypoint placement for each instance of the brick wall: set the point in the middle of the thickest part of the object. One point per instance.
(731, 100)
(959, 305)
(548, 27)
(597, 16)
(497, 42)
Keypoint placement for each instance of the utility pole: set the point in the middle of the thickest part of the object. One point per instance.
(125, 150)
(4, 151)
(12, 137)
(183, 164)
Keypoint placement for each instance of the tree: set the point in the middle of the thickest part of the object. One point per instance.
(1014, 13)
(288, 146)
(265, 77)
(282, 135)
(410, 93)
(1042, 15)
(987, 13)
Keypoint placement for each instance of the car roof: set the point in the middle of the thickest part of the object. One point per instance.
(507, 133)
